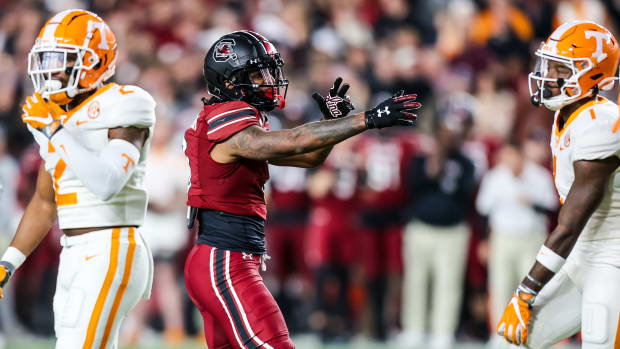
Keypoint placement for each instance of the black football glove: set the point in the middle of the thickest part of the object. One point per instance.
(396, 110)
(6, 270)
(337, 104)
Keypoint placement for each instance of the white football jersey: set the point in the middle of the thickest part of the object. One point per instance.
(590, 133)
(110, 106)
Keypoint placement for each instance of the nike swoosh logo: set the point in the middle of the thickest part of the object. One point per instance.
(79, 122)
(91, 257)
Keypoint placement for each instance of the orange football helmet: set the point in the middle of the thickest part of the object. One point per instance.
(72, 36)
(589, 50)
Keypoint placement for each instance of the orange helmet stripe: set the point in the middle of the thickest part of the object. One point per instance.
(49, 30)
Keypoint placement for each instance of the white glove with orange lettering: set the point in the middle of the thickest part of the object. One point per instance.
(514, 322)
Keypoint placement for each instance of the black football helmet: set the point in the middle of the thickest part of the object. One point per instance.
(235, 64)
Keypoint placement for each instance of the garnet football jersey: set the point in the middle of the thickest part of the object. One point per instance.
(235, 187)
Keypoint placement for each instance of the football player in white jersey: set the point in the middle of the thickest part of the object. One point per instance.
(575, 282)
(94, 139)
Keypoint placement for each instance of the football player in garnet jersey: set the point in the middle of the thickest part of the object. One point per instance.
(94, 140)
(575, 281)
(229, 146)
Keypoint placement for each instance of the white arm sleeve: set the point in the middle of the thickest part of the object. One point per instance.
(104, 174)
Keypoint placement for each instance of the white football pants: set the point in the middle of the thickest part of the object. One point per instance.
(581, 296)
(102, 275)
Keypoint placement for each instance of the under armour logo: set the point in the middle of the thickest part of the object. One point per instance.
(246, 255)
(386, 111)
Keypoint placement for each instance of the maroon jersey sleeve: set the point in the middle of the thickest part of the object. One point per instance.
(230, 118)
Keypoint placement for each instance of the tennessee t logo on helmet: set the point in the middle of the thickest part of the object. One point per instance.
(586, 49)
(79, 43)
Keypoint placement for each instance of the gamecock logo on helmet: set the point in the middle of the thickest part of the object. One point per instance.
(224, 50)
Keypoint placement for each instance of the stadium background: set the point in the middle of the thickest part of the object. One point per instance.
(436, 48)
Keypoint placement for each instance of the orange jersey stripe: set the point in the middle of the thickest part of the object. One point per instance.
(66, 199)
(121, 289)
(575, 114)
(103, 293)
(616, 126)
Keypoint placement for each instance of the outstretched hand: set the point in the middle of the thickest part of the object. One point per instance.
(396, 110)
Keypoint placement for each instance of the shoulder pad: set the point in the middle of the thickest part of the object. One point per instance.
(127, 105)
(599, 136)
(228, 118)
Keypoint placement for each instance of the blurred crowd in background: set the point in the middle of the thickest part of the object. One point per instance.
(394, 238)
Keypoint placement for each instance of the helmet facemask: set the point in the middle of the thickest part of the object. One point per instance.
(261, 84)
(44, 60)
(570, 89)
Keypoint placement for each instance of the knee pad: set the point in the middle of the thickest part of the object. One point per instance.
(594, 323)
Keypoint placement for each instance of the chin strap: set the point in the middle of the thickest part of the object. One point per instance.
(280, 102)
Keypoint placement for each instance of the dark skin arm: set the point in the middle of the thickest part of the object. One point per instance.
(308, 160)
(585, 195)
(39, 215)
(134, 135)
(257, 144)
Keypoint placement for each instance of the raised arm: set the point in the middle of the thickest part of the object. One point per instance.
(257, 144)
